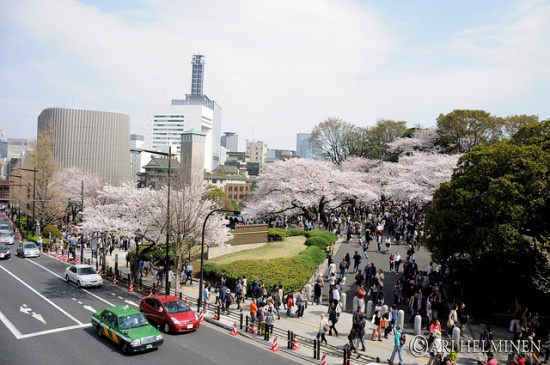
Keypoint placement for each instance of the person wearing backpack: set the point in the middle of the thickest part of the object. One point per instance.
(398, 343)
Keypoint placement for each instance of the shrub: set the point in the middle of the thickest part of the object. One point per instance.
(296, 232)
(276, 234)
(318, 241)
(292, 272)
(50, 228)
(330, 237)
(315, 253)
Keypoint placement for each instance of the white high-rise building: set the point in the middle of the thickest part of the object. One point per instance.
(166, 123)
(257, 150)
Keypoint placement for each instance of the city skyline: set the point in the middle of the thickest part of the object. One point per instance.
(274, 71)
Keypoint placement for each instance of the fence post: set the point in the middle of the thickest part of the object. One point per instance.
(266, 332)
(241, 320)
(315, 348)
(289, 339)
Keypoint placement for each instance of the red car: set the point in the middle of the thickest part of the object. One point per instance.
(170, 312)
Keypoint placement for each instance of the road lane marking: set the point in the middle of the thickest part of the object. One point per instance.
(84, 290)
(131, 303)
(62, 329)
(10, 326)
(41, 296)
(26, 309)
(90, 308)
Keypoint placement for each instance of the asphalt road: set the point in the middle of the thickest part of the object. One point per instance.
(45, 320)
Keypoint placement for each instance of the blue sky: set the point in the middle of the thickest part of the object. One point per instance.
(276, 68)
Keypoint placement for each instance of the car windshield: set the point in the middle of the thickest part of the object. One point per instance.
(178, 306)
(132, 321)
(86, 271)
(3, 247)
(5, 234)
(5, 228)
(29, 245)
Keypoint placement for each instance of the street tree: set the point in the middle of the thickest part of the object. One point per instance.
(76, 184)
(49, 203)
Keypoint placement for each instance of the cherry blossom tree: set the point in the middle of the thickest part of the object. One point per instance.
(299, 186)
(71, 182)
(131, 211)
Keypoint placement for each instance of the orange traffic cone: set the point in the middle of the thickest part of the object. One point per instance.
(114, 280)
(295, 345)
(275, 347)
(131, 288)
(234, 330)
(49, 253)
(201, 316)
(251, 328)
(323, 360)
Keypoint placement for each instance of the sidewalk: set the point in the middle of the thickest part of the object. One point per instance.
(306, 327)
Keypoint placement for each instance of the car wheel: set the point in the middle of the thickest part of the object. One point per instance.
(166, 327)
(125, 348)
(67, 278)
(99, 331)
(78, 283)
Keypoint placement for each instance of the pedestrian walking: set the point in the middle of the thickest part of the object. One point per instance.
(398, 343)
(376, 326)
(332, 320)
(323, 329)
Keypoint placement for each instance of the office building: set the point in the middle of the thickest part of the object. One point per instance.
(166, 123)
(230, 141)
(257, 150)
(92, 140)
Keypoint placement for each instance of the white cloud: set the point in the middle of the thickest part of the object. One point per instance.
(276, 68)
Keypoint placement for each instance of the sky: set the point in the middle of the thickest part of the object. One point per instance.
(276, 68)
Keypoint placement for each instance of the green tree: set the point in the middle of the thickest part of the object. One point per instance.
(492, 220)
(513, 123)
(379, 137)
(332, 138)
(461, 130)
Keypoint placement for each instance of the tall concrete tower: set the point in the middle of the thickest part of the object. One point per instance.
(192, 156)
(197, 80)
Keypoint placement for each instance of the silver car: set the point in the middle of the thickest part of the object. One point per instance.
(6, 238)
(5, 228)
(28, 249)
(83, 275)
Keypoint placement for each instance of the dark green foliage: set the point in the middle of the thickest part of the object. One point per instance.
(315, 253)
(318, 241)
(492, 221)
(295, 232)
(50, 228)
(292, 273)
(330, 237)
(276, 234)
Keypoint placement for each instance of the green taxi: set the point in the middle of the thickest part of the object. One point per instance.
(128, 328)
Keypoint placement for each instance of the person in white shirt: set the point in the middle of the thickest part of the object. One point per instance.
(397, 262)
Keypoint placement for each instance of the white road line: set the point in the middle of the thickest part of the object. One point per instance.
(41, 296)
(84, 290)
(10, 326)
(84, 325)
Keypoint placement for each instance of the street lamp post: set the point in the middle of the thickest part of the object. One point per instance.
(166, 259)
(18, 201)
(34, 171)
(199, 301)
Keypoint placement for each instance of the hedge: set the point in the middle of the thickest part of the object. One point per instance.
(50, 228)
(293, 273)
(276, 234)
(320, 242)
(330, 237)
(295, 232)
(315, 253)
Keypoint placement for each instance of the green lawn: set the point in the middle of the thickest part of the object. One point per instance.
(290, 247)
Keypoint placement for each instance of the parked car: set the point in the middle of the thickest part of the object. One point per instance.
(83, 275)
(6, 238)
(170, 312)
(28, 249)
(128, 328)
(5, 252)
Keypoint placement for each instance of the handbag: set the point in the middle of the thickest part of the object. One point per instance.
(383, 323)
(326, 328)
